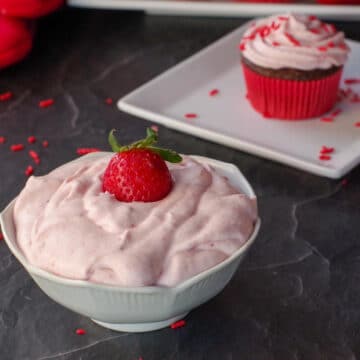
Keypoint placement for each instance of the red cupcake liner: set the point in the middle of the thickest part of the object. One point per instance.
(291, 99)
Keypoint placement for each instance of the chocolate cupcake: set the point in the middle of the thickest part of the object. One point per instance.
(292, 66)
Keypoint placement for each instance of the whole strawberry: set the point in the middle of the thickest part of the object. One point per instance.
(138, 172)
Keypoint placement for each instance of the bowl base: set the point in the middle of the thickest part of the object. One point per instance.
(140, 327)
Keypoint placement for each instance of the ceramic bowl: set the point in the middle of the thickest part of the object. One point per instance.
(136, 309)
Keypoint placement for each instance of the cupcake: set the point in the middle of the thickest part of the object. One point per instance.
(292, 66)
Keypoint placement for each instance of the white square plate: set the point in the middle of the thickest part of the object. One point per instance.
(229, 119)
(224, 8)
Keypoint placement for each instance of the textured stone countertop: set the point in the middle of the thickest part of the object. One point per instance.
(297, 294)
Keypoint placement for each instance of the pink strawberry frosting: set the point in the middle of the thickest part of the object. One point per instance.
(66, 225)
(294, 41)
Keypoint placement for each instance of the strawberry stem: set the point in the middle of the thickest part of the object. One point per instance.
(147, 143)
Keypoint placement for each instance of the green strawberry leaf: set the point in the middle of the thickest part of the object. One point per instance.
(147, 143)
(115, 146)
(166, 154)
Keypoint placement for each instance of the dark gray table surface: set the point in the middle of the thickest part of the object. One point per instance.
(296, 296)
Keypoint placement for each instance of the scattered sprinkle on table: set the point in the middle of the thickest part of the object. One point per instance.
(6, 96)
(45, 143)
(327, 119)
(178, 324)
(17, 147)
(80, 331)
(29, 170)
(357, 124)
(336, 112)
(214, 92)
(326, 150)
(46, 103)
(352, 81)
(324, 157)
(344, 182)
(84, 151)
(31, 139)
(1, 236)
(191, 116)
(35, 156)
(109, 101)
(2, 139)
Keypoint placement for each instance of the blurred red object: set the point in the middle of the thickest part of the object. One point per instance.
(339, 2)
(29, 9)
(268, 1)
(16, 38)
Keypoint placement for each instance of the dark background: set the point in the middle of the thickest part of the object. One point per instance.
(297, 294)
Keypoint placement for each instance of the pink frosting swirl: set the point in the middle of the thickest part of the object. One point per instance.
(294, 41)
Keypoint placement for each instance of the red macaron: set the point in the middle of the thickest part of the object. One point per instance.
(16, 38)
(30, 9)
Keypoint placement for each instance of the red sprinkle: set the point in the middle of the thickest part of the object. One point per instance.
(17, 147)
(35, 156)
(2, 139)
(264, 31)
(275, 43)
(178, 324)
(242, 46)
(292, 39)
(331, 44)
(31, 139)
(312, 17)
(355, 98)
(352, 81)
(155, 128)
(1, 236)
(332, 28)
(283, 18)
(109, 101)
(6, 96)
(326, 150)
(343, 46)
(46, 103)
(325, 157)
(344, 182)
(275, 26)
(251, 37)
(325, 27)
(214, 92)
(336, 112)
(327, 119)
(29, 170)
(84, 151)
(45, 143)
(315, 31)
(322, 48)
(191, 116)
(80, 332)
(357, 124)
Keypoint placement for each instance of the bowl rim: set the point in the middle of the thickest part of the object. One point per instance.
(34, 270)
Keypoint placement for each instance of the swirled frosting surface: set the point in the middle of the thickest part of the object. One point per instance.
(66, 225)
(294, 41)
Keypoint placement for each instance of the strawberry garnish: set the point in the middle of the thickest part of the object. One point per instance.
(138, 172)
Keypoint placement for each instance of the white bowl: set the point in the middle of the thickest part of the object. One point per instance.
(136, 309)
